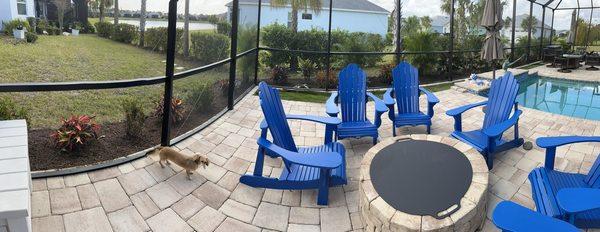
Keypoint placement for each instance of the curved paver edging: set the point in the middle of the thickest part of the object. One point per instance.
(378, 215)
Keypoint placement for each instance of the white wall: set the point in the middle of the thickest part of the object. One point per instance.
(8, 10)
(352, 21)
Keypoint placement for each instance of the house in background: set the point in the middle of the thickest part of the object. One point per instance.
(521, 32)
(16, 9)
(440, 24)
(349, 15)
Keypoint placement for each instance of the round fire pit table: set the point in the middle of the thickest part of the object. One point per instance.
(423, 183)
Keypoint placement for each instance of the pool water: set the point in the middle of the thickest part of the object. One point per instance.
(571, 98)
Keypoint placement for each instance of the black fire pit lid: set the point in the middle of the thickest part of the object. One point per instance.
(421, 177)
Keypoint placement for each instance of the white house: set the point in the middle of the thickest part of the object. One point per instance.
(16, 9)
(521, 32)
(349, 15)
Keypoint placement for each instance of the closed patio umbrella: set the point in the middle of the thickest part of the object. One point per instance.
(573, 29)
(492, 21)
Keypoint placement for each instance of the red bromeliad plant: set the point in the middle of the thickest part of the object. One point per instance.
(75, 132)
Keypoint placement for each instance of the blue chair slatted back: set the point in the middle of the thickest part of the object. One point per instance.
(272, 108)
(406, 88)
(352, 92)
(501, 100)
(593, 176)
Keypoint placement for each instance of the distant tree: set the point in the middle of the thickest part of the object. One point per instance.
(212, 19)
(116, 12)
(507, 22)
(61, 8)
(426, 23)
(186, 30)
(410, 25)
(102, 5)
(530, 22)
(142, 23)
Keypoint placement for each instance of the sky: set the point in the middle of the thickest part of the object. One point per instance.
(410, 7)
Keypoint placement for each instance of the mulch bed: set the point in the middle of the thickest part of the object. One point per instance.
(113, 142)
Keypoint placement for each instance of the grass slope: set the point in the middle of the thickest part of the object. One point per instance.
(85, 58)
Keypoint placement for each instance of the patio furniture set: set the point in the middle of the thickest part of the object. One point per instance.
(566, 62)
(412, 181)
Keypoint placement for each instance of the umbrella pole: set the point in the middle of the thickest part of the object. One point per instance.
(493, 69)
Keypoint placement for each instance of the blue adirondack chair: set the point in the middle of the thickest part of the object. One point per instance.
(509, 216)
(488, 140)
(405, 94)
(352, 97)
(317, 167)
(569, 196)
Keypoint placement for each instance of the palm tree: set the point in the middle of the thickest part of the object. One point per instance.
(142, 22)
(530, 22)
(186, 30)
(116, 12)
(102, 5)
(296, 5)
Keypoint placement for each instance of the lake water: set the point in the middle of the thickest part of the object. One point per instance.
(151, 23)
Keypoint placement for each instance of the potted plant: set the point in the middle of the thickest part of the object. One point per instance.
(75, 29)
(19, 32)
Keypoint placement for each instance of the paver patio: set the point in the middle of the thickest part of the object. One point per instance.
(141, 196)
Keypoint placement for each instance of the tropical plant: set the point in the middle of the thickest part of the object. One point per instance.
(279, 75)
(326, 81)
(385, 74)
(75, 132)
(177, 109)
(133, 109)
(104, 29)
(102, 5)
(530, 22)
(307, 67)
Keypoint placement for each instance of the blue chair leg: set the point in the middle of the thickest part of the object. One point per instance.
(323, 194)
(393, 130)
(489, 159)
(374, 139)
(428, 129)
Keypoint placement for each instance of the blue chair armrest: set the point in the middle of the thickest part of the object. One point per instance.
(462, 109)
(331, 105)
(328, 160)
(387, 97)
(264, 125)
(498, 129)
(548, 142)
(380, 106)
(431, 98)
(575, 200)
(509, 216)
(323, 120)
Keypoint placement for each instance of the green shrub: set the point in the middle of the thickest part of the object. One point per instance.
(41, 26)
(87, 28)
(177, 109)
(9, 110)
(325, 81)
(200, 96)
(385, 74)
(124, 33)
(307, 67)
(156, 39)
(360, 42)
(9, 26)
(133, 109)
(32, 23)
(277, 36)
(31, 37)
(209, 47)
(104, 29)
(224, 27)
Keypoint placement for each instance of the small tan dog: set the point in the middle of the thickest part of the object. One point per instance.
(190, 164)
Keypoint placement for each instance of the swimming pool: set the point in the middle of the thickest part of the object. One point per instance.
(571, 98)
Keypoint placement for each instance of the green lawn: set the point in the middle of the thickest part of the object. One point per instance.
(320, 97)
(86, 58)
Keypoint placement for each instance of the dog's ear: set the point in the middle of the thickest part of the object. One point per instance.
(197, 159)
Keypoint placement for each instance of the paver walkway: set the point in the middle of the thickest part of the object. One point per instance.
(141, 196)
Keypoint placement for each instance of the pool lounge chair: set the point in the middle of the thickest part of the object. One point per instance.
(318, 167)
(405, 94)
(352, 97)
(488, 140)
(572, 197)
